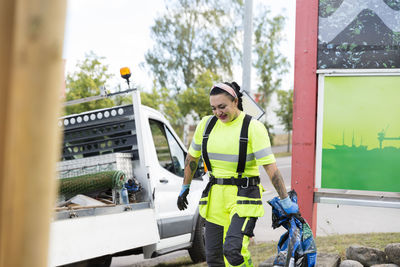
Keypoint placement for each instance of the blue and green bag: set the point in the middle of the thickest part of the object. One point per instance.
(296, 247)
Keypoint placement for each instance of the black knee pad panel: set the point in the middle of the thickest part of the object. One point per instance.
(232, 252)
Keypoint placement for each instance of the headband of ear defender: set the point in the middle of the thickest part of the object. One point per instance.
(226, 88)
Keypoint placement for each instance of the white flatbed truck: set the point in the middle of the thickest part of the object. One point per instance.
(139, 139)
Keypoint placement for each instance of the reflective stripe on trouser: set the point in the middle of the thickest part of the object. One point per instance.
(222, 199)
(228, 246)
(219, 207)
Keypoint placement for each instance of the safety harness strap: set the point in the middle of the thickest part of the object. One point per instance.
(204, 152)
(244, 139)
(244, 182)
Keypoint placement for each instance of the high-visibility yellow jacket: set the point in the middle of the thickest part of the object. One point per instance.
(223, 152)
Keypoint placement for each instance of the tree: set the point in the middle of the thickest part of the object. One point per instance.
(151, 99)
(195, 100)
(270, 63)
(122, 99)
(285, 111)
(163, 101)
(192, 37)
(86, 82)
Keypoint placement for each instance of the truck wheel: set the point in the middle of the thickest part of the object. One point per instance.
(198, 251)
(104, 261)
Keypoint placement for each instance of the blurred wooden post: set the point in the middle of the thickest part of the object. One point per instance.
(305, 108)
(6, 26)
(31, 34)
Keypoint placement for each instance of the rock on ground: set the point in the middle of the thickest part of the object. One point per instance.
(328, 260)
(366, 256)
(350, 263)
(393, 252)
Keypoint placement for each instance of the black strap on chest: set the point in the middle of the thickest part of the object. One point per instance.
(244, 133)
(244, 139)
(207, 132)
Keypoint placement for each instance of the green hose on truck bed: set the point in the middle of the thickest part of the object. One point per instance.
(91, 183)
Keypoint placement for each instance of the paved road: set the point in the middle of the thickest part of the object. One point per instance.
(331, 219)
(263, 231)
(279, 149)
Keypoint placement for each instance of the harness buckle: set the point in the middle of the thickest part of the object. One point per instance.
(243, 139)
(247, 182)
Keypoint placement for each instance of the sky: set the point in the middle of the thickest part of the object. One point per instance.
(119, 30)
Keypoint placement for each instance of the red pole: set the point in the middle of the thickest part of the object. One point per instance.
(305, 108)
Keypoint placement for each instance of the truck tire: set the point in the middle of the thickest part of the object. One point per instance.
(198, 251)
(104, 261)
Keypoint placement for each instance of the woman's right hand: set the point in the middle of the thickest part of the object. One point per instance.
(182, 200)
(289, 206)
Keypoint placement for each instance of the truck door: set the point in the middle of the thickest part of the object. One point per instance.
(171, 159)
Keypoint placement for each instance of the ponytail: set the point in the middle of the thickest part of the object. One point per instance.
(236, 87)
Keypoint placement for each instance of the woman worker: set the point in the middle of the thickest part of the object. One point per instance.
(233, 146)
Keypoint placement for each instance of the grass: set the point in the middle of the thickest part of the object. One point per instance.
(333, 244)
(280, 139)
(339, 243)
(282, 154)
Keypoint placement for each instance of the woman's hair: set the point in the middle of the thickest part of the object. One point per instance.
(234, 86)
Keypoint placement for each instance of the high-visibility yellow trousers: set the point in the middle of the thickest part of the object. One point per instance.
(227, 235)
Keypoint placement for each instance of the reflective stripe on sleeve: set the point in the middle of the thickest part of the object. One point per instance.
(195, 146)
(263, 153)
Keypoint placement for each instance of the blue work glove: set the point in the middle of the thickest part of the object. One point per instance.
(289, 206)
(182, 200)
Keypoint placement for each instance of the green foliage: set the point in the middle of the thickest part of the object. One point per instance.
(170, 108)
(151, 99)
(194, 36)
(285, 110)
(195, 100)
(164, 101)
(270, 63)
(271, 134)
(86, 82)
(122, 99)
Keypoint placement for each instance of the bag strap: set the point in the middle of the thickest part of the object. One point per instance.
(244, 139)
(204, 152)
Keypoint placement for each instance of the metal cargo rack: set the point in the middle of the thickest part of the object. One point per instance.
(99, 132)
(109, 162)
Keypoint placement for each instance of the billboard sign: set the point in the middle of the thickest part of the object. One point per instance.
(358, 132)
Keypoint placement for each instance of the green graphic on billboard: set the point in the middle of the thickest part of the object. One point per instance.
(361, 133)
